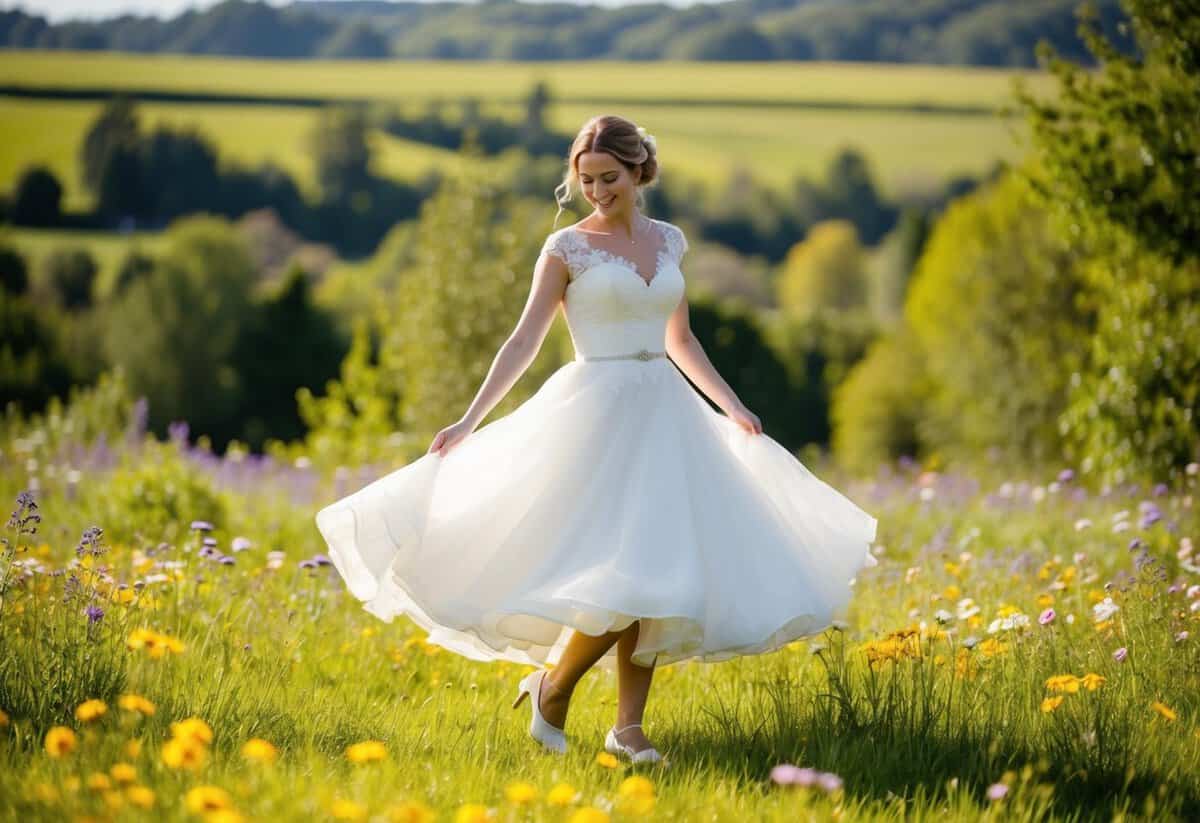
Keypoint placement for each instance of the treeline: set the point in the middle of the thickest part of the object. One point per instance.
(958, 32)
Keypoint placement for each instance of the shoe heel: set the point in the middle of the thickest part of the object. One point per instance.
(522, 693)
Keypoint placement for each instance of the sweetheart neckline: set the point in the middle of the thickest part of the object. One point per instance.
(620, 265)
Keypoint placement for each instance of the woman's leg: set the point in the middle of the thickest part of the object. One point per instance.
(580, 653)
(633, 687)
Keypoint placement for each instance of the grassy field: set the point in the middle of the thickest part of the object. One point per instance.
(1008, 659)
(707, 117)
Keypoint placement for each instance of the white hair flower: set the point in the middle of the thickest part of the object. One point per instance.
(647, 138)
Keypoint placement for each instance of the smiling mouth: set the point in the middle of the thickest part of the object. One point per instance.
(606, 202)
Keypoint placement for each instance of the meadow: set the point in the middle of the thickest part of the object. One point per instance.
(175, 646)
(918, 125)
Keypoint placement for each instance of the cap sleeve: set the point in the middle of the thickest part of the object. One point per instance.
(678, 241)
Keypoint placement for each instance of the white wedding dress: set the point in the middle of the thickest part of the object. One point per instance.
(615, 493)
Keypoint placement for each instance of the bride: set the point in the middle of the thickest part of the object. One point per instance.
(614, 517)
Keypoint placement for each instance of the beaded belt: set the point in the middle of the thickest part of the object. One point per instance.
(638, 355)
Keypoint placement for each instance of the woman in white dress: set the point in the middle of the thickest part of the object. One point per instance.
(614, 517)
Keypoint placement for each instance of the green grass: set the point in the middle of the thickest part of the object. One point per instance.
(107, 248)
(287, 655)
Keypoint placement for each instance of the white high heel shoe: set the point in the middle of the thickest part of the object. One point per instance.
(614, 746)
(550, 736)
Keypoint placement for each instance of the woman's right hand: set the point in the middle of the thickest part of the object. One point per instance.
(449, 437)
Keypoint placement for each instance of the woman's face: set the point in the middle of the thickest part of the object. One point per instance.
(606, 184)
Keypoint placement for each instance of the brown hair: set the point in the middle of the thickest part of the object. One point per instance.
(619, 137)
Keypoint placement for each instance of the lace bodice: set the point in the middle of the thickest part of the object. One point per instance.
(610, 306)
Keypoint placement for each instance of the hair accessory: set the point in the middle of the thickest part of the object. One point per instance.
(648, 138)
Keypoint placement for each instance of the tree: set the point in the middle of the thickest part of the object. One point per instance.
(115, 128)
(1117, 153)
(71, 275)
(824, 272)
(339, 141)
(38, 198)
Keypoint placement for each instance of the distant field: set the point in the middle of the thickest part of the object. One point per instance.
(864, 83)
(108, 248)
(700, 140)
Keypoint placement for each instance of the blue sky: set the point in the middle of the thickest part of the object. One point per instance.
(58, 10)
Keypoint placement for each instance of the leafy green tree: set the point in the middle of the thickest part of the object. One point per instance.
(70, 273)
(999, 308)
(339, 143)
(824, 272)
(37, 200)
(174, 330)
(1118, 151)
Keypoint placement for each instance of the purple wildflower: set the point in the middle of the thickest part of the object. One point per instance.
(94, 613)
(1046, 617)
(322, 560)
(308, 564)
(90, 542)
(1066, 476)
(209, 541)
(1120, 654)
(201, 526)
(1159, 489)
(227, 560)
(997, 791)
(240, 544)
(829, 782)
(25, 514)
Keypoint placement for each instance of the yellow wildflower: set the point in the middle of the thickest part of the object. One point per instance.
(1164, 710)
(347, 810)
(98, 781)
(412, 811)
(60, 741)
(136, 703)
(366, 751)
(140, 796)
(1049, 704)
(1092, 681)
(589, 814)
(204, 799)
(563, 794)
(636, 795)
(521, 792)
(123, 773)
(607, 760)
(90, 710)
(133, 747)
(260, 750)
(472, 813)
(1067, 683)
(184, 753)
(192, 728)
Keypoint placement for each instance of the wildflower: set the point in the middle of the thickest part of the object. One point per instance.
(201, 526)
(1092, 681)
(205, 799)
(1068, 683)
(347, 810)
(260, 750)
(366, 752)
(89, 544)
(123, 773)
(412, 811)
(184, 753)
(636, 795)
(1082, 523)
(1049, 704)
(241, 544)
(1104, 610)
(829, 782)
(1164, 710)
(997, 792)
(90, 710)
(1120, 654)
(589, 814)
(192, 728)
(60, 741)
(99, 782)
(606, 760)
(562, 794)
(136, 703)
(94, 613)
(521, 792)
(472, 813)
(1046, 617)
(25, 517)
(140, 796)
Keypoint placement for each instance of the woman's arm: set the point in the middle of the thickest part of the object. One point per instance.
(521, 347)
(687, 353)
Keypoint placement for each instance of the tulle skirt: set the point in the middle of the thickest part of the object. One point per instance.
(614, 494)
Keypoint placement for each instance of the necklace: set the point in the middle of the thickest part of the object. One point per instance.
(639, 220)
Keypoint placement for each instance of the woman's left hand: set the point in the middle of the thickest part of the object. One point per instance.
(745, 418)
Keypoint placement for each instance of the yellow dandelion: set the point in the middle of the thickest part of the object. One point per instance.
(366, 752)
(99, 781)
(563, 794)
(183, 753)
(225, 816)
(347, 810)
(123, 773)
(635, 786)
(589, 814)
(1092, 681)
(412, 811)
(133, 747)
(262, 751)
(1164, 710)
(952, 592)
(60, 741)
(140, 796)
(192, 728)
(136, 703)
(992, 647)
(521, 792)
(1049, 704)
(205, 799)
(472, 813)
(607, 760)
(113, 799)
(45, 793)
(1067, 683)
(90, 710)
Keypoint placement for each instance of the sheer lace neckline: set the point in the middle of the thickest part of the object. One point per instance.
(623, 260)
